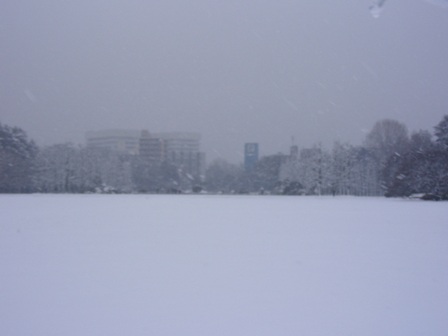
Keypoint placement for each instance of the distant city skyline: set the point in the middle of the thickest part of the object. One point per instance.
(181, 149)
(235, 72)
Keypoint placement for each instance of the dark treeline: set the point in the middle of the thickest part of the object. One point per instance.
(17, 160)
(390, 162)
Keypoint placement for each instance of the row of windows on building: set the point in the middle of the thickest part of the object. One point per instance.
(181, 149)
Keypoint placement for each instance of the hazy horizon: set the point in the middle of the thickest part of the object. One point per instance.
(232, 71)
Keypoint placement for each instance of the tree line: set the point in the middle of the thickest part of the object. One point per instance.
(67, 168)
(390, 162)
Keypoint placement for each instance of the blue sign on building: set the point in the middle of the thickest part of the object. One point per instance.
(250, 156)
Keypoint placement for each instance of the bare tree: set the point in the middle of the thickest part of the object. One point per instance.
(387, 141)
(387, 137)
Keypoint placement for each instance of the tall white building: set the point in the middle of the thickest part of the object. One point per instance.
(121, 141)
(181, 149)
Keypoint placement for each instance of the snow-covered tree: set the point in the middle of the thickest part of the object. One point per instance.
(67, 168)
(17, 154)
(422, 170)
(266, 175)
(342, 172)
(157, 176)
(354, 171)
(110, 168)
(56, 168)
(222, 176)
(366, 177)
(422, 173)
(314, 170)
(387, 140)
(441, 132)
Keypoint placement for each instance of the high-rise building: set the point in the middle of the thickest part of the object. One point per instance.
(294, 153)
(250, 156)
(152, 149)
(121, 141)
(180, 149)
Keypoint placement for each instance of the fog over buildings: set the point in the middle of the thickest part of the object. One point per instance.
(232, 71)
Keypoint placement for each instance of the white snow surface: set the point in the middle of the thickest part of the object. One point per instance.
(222, 265)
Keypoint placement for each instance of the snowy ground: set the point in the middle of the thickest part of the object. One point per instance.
(222, 265)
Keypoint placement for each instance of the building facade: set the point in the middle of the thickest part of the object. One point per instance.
(121, 141)
(180, 149)
(251, 155)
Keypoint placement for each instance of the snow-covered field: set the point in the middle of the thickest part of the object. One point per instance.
(222, 265)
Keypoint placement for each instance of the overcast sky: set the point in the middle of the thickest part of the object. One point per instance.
(235, 71)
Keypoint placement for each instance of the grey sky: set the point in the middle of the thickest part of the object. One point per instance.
(236, 71)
